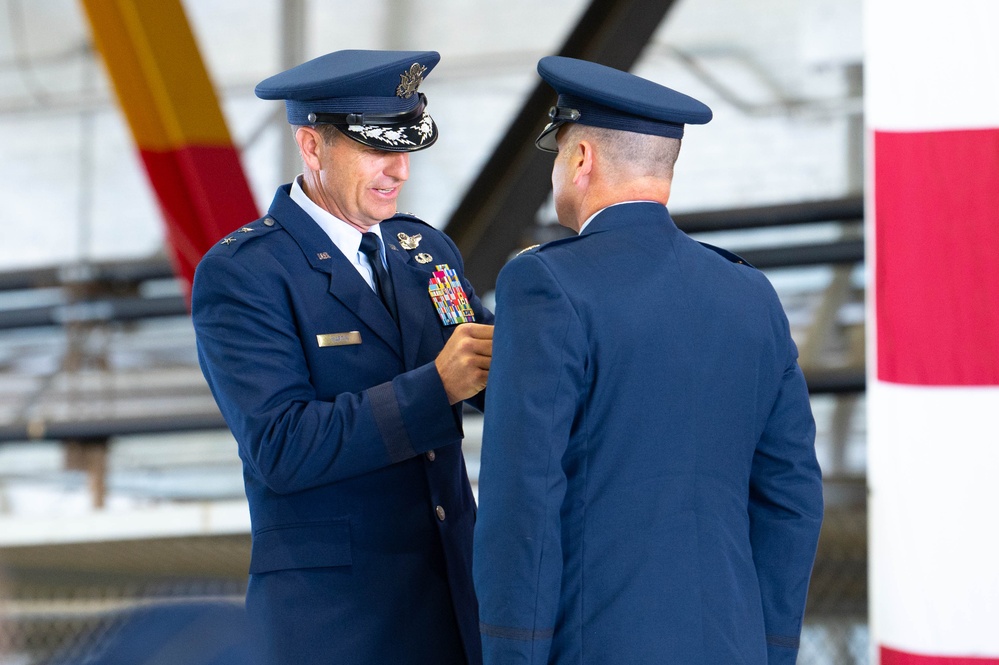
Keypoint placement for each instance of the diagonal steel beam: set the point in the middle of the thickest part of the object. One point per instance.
(500, 206)
(165, 93)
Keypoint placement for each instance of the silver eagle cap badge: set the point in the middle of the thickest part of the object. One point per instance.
(411, 81)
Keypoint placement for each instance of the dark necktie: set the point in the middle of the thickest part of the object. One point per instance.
(371, 246)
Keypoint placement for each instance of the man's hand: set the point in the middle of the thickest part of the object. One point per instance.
(463, 363)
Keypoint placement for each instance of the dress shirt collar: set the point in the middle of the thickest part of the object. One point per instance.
(346, 238)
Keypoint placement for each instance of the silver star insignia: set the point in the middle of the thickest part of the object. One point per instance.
(228, 241)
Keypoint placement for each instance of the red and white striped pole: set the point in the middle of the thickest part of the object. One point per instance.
(932, 112)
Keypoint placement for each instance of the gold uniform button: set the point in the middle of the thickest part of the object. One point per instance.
(431, 455)
(440, 513)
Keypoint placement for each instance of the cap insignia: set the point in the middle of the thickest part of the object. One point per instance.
(411, 81)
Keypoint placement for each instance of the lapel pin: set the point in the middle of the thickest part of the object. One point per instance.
(323, 256)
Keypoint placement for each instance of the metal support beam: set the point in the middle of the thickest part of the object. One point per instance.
(841, 210)
(165, 93)
(493, 218)
(38, 430)
(838, 252)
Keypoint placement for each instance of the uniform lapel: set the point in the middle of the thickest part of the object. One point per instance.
(411, 283)
(346, 285)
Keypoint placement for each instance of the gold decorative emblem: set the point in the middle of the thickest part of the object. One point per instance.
(227, 241)
(423, 258)
(409, 242)
(411, 81)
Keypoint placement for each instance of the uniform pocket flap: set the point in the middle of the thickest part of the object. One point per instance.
(311, 545)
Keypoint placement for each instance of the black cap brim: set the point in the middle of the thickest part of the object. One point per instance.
(547, 139)
(395, 138)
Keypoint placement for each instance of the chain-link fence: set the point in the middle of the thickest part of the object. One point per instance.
(50, 616)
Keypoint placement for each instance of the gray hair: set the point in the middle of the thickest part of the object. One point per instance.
(629, 154)
(327, 131)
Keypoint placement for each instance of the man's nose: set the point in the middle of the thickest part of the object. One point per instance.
(398, 166)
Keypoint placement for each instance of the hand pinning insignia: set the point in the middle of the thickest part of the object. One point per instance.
(423, 258)
(408, 241)
(227, 241)
(411, 81)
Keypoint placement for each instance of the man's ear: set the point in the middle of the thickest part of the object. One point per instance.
(582, 162)
(310, 142)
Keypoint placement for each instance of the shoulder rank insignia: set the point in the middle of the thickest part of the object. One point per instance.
(227, 241)
(449, 298)
(408, 241)
(731, 256)
(527, 249)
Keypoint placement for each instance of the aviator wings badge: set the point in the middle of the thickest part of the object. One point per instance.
(408, 241)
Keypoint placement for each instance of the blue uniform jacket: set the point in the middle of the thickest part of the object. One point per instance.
(648, 491)
(360, 505)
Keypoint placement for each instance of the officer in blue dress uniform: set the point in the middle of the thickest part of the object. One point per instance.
(648, 490)
(340, 339)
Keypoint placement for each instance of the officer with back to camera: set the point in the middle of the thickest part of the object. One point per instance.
(648, 491)
(340, 339)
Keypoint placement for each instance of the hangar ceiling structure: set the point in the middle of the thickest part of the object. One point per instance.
(501, 211)
(103, 351)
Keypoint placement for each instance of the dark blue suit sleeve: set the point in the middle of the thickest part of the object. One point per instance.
(536, 378)
(785, 509)
(251, 354)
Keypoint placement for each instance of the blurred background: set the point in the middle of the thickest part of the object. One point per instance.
(120, 487)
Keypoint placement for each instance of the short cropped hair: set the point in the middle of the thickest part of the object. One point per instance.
(629, 152)
(327, 131)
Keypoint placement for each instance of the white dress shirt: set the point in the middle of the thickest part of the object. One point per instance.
(346, 238)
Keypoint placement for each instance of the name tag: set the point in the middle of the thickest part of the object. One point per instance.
(339, 339)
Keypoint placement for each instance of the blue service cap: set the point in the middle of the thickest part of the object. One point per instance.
(371, 96)
(600, 96)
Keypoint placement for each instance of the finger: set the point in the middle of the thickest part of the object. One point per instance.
(480, 347)
(476, 330)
